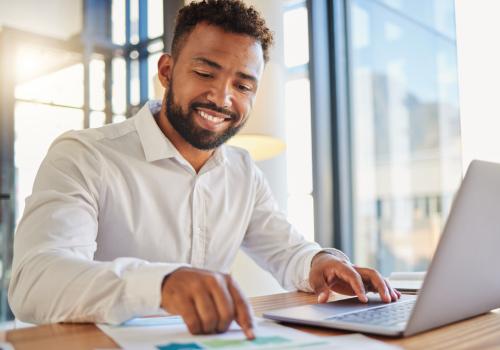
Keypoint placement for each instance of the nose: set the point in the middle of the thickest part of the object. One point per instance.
(221, 94)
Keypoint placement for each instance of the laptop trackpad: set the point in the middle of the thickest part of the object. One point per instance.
(323, 311)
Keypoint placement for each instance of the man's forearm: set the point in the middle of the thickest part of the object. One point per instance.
(54, 287)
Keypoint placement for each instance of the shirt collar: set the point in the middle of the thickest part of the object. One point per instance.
(154, 142)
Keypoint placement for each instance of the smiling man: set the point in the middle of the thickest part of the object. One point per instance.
(149, 214)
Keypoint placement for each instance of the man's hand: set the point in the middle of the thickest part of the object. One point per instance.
(330, 273)
(207, 301)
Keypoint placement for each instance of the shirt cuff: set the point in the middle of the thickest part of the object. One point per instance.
(304, 284)
(143, 287)
(335, 252)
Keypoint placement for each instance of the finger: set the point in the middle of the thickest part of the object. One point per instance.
(377, 281)
(207, 311)
(351, 276)
(224, 305)
(393, 292)
(190, 316)
(243, 314)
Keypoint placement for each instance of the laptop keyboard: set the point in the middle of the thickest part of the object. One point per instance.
(390, 315)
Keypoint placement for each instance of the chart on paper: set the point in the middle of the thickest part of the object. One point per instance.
(170, 333)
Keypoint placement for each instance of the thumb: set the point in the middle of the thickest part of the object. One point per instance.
(320, 278)
(324, 295)
(321, 288)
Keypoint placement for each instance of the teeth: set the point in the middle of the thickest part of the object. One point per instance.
(210, 117)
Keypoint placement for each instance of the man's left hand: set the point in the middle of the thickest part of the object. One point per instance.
(330, 273)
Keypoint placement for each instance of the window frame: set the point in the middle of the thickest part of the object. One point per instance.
(328, 66)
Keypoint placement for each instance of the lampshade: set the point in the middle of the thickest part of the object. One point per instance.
(260, 145)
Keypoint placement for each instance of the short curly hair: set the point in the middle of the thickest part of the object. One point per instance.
(232, 16)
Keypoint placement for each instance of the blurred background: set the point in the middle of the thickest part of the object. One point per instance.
(364, 94)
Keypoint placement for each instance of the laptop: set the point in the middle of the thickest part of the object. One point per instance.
(463, 279)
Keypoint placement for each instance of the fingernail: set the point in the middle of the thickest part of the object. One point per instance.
(321, 297)
(249, 334)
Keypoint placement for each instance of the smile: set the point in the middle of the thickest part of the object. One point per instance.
(210, 117)
(216, 119)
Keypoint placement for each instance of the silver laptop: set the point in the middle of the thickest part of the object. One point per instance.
(463, 279)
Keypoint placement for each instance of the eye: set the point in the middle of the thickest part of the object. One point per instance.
(203, 74)
(244, 88)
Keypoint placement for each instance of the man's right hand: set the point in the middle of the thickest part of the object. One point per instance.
(207, 301)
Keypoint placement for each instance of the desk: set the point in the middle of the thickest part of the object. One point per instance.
(482, 332)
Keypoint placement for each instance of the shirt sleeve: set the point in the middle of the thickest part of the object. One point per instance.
(276, 245)
(54, 277)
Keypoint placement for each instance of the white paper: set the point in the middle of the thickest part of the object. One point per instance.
(407, 281)
(407, 276)
(169, 333)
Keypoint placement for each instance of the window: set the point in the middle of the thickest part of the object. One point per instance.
(404, 122)
(44, 109)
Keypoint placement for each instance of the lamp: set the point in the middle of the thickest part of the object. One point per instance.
(254, 136)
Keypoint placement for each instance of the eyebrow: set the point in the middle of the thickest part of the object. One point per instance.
(219, 67)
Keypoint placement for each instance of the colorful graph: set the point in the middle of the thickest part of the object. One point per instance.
(226, 343)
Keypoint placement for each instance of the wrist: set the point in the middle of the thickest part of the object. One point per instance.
(321, 255)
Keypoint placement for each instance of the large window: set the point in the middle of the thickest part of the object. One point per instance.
(404, 128)
(45, 107)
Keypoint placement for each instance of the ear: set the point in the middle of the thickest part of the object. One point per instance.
(165, 65)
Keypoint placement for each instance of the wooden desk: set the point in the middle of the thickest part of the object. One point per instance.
(482, 332)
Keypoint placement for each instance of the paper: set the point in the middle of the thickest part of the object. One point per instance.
(170, 333)
(407, 282)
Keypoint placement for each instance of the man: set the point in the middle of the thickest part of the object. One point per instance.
(151, 212)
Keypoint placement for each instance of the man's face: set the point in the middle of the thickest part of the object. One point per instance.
(211, 85)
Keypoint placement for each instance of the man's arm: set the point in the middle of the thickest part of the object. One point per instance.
(54, 277)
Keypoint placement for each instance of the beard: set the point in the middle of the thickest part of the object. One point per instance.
(185, 125)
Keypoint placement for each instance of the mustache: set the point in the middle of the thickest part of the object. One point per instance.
(213, 107)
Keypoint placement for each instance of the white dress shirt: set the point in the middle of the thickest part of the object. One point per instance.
(117, 208)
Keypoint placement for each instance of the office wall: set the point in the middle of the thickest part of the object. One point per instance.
(478, 46)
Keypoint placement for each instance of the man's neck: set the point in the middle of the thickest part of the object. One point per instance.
(196, 157)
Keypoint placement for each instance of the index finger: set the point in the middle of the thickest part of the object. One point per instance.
(243, 315)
